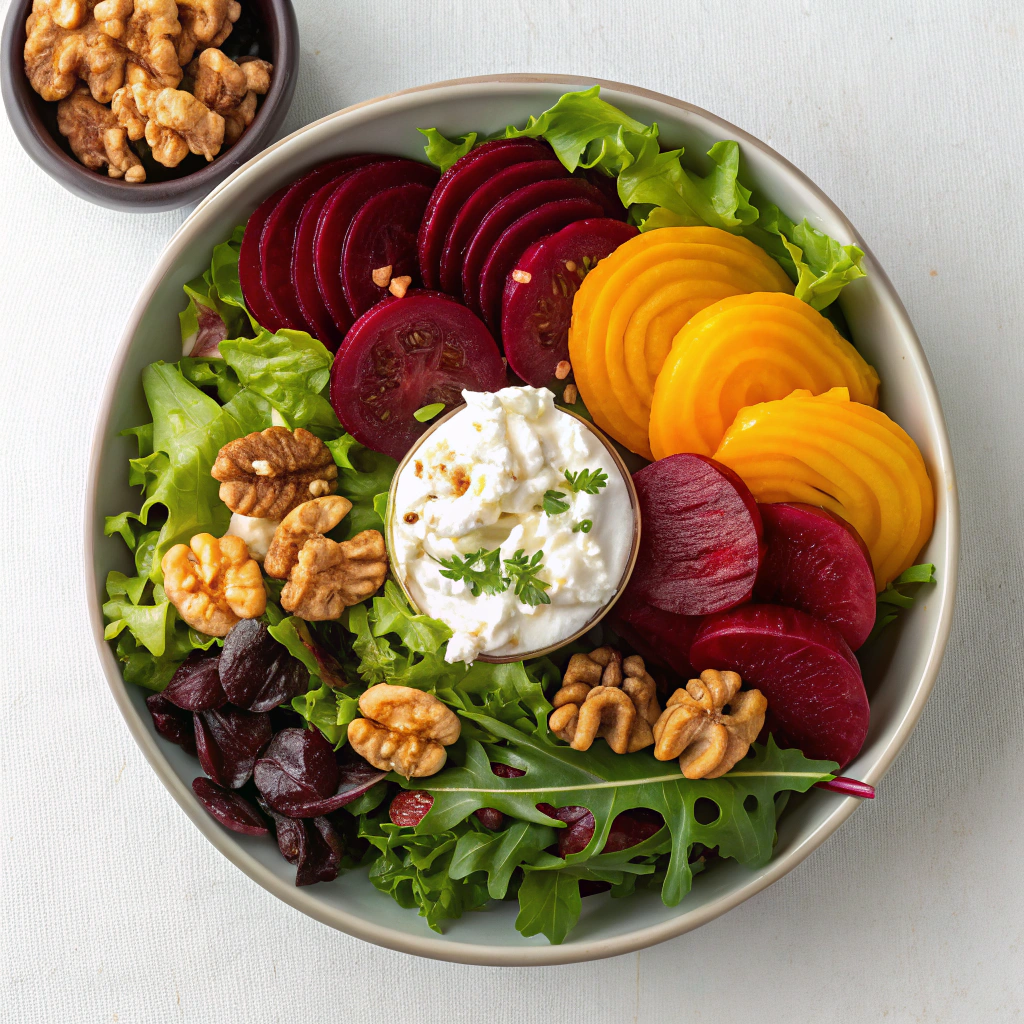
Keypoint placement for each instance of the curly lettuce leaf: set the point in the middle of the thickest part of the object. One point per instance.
(216, 309)
(443, 152)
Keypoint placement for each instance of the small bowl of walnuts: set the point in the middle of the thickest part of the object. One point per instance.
(147, 104)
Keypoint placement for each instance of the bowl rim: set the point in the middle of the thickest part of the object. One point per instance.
(144, 197)
(627, 569)
(440, 948)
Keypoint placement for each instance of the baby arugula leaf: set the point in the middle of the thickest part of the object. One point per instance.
(523, 576)
(590, 481)
(895, 598)
(479, 570)
(549, 904)
(555, 503)
(500, 853)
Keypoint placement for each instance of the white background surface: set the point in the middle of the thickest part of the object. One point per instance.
(114, 909)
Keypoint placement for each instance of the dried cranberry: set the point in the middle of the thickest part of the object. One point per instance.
(195, 686)
(579, 830)
(631, 828)
(320, 854)
(410, 807)
(257, 672)
(490, 817)
(231, 809)
(172, 723)
(506, 771)
(228, 741)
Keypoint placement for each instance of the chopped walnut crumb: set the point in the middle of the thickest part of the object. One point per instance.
(563, 369)
(382, 276)
(522, 276)
(399, 286)
(570, 394)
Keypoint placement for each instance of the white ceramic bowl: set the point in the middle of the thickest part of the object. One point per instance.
(899, 673)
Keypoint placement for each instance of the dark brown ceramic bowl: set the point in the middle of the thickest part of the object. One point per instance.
(266, 27)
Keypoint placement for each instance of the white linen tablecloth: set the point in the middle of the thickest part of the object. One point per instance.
(113, 908)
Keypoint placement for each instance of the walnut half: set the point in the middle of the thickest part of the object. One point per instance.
(96, 138)
(403, 730)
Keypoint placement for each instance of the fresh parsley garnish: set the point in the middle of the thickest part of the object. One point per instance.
(554, 503)
(522, 575)
(481, 570)
(427, 412)
(583, 526)
(590, 481)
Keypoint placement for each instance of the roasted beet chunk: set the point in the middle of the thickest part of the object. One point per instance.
(172, 723)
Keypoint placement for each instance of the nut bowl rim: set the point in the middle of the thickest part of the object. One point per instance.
(627, 571)
(914, 688)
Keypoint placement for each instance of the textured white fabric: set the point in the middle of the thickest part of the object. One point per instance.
(115, 909)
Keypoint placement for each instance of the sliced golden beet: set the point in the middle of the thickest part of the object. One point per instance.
(845, 457)
(743, 350)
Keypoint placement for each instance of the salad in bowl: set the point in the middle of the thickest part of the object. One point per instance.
(515, 521)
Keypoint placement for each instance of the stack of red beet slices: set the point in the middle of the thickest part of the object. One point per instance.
(708, 550)
(421, 282)
(264, 770)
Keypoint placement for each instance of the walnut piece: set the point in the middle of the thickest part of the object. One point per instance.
(176, 123)
(229, 88)
(330, 577)
(96, 138)
(695, 727)
(604, 696)
(310, 519)
(269, 473)
(150, 30)
(57, 57)
(204, 23)
(403, 730)
(213, 583)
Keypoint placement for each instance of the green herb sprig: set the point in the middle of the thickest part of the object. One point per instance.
(482, 571)
(590, 481)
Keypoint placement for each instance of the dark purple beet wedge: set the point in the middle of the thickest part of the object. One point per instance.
(382, 234)
(172, 723)
(404, 354)
(195, 686)
(250, 270)
(537, 302)
(231, 809)
(257, 672)
(457, 184)
(506, 213)
(228, 741)
(337, 214)
(479, 204)
(514, 241)
(277, 244)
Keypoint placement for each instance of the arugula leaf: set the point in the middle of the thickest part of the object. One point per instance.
(587, 480)
(523, 576)
(442, 152)
(498, 854)
(894, 598)
(363, 475)
(291, 370)
(549, 903)
(486, 579)
(427, 412)
(554, 503)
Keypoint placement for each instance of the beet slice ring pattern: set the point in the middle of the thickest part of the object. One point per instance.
(337, 215)
(506, 213)
(537, 308)
(404, 354)
(515, 239)
(456, 186)
(250, 272)
(479, 204)
(382, 234)
(277, 242)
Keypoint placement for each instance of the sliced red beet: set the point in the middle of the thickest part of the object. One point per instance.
(404, 354)
(382, 234)
(806, 670)
(457, 184)
(336, 216)
(277, 243)
(228, 741)
(537, 301)
(410, 807)
(700, 546)
(172, 723)
(256, 671)
(505, 213)
(250, 270)
(609, 188)
(229, 808)
(656, 635)
(818, 563)
(195, 686)
(513, 242)
(478, 205)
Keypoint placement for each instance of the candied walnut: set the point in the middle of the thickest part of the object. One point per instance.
(310, 519)
(330, 577)
(213, 583)
(229, 88)
(57, 57)
(177, 123)
(96, 138)
(585, 710)
(151, 34)
(66, 13)
(112, 16)
(204, 23)
(268, 473)
(696, 728)
(403, 730)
